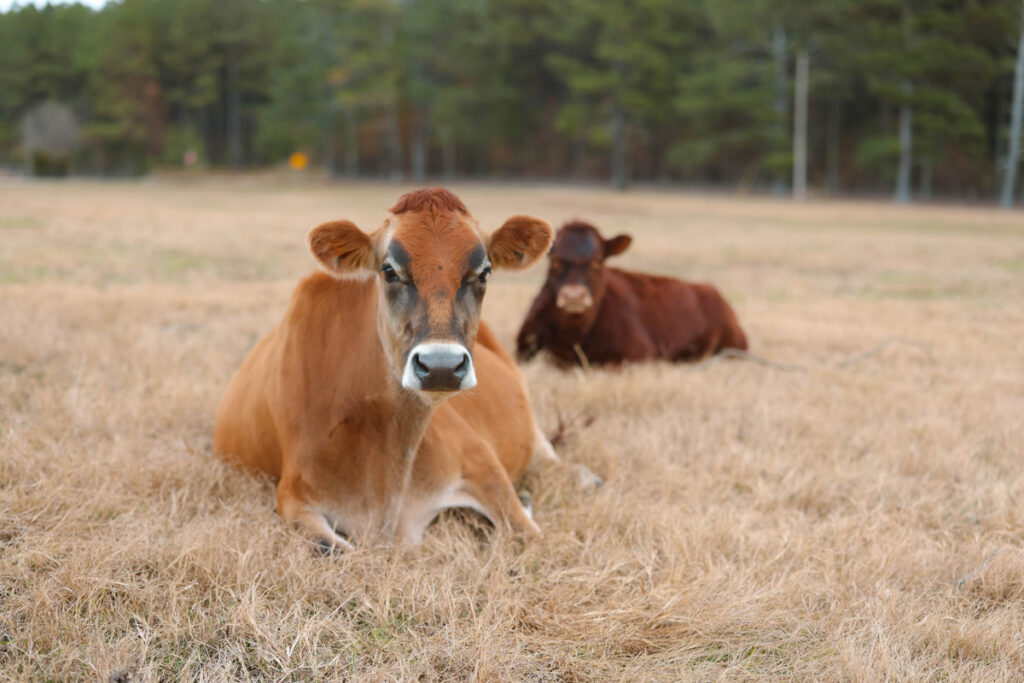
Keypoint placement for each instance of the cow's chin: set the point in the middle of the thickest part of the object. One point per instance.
(434, 398)
(575, 310)
(438, 394)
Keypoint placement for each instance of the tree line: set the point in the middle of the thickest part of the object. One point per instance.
(908, 97)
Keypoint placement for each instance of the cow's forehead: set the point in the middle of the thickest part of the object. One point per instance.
(577, 243)
(445, 243)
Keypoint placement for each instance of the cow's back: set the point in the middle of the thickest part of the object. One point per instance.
(672, 314)
(721, 318)
(681, 320)
(291, 378)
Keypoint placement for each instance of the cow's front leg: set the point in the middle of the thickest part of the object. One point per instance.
(306, 517)
(486, 482)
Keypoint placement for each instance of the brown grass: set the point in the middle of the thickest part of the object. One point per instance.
(840, 523)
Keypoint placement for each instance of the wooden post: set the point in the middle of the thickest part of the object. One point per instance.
(779, 105)
(1013, 157)
(800, 128)
(906, 147)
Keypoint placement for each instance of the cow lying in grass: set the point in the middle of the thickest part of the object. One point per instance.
(381, 399)
(591, 314)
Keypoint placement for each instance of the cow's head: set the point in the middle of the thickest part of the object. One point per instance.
(431, 260)
(576, 271)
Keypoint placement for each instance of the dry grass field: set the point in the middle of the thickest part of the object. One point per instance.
(860, 518)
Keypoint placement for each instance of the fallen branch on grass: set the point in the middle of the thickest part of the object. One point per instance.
(967, 577)
(582, 356)
(726, 354)
(566, 427)
(888, 341)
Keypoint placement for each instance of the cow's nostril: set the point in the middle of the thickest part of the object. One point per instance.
(418, 367)
(462, 368)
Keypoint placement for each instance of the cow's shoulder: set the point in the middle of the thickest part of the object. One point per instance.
(653, 288)
(486, 338)
(322, 297)
(629, 287)
(329, 323)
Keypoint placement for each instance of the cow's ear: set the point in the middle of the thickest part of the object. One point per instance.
(617, 245)
(342, 249)
(519, 242)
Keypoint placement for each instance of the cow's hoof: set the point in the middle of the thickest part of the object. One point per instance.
(327, 548)
(527, 502)
(585, 479)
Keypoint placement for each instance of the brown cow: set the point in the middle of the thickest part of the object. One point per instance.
(589, 313)
(365, 401)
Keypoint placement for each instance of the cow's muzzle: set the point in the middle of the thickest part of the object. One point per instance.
(574, 299)
(439, 367)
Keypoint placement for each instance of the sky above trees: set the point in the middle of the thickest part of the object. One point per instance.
(6, 5)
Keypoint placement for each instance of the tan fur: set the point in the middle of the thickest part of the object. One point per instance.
(436, 199)
(514, 243)
(340, 245)
(317, 404)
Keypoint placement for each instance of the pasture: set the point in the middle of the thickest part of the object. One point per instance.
(856, 518)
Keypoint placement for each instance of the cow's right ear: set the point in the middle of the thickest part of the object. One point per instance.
(342, 249)
(617, 245)
(519, 242)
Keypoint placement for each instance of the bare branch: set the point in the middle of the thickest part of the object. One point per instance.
(861, 357)
(967, 577)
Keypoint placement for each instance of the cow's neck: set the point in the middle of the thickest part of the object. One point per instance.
(410, 413)
(411, 416)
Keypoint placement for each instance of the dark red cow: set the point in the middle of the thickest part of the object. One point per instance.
(606, 315)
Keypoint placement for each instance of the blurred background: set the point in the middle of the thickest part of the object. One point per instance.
(912, 99)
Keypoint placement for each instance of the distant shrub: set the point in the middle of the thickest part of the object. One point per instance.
(49, 136)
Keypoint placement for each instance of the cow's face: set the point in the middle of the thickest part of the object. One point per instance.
(576, 271)
(431, 261)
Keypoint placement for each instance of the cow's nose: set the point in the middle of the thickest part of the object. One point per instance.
(574, 298)
(439, 367)
(435, 363)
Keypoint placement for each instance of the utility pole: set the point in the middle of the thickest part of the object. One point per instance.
(906, 147)
(779, 105)
(906, 132)
(234, 107)
(1013, 157)
(800, 128)
(619, 159)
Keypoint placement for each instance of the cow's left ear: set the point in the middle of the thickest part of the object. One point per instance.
(519, 242)
(617, 245)
(342, 249)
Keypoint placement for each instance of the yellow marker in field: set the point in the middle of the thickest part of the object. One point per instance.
(298, 161)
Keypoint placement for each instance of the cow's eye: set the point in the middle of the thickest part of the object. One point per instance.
(389, 273)
(482, 277)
